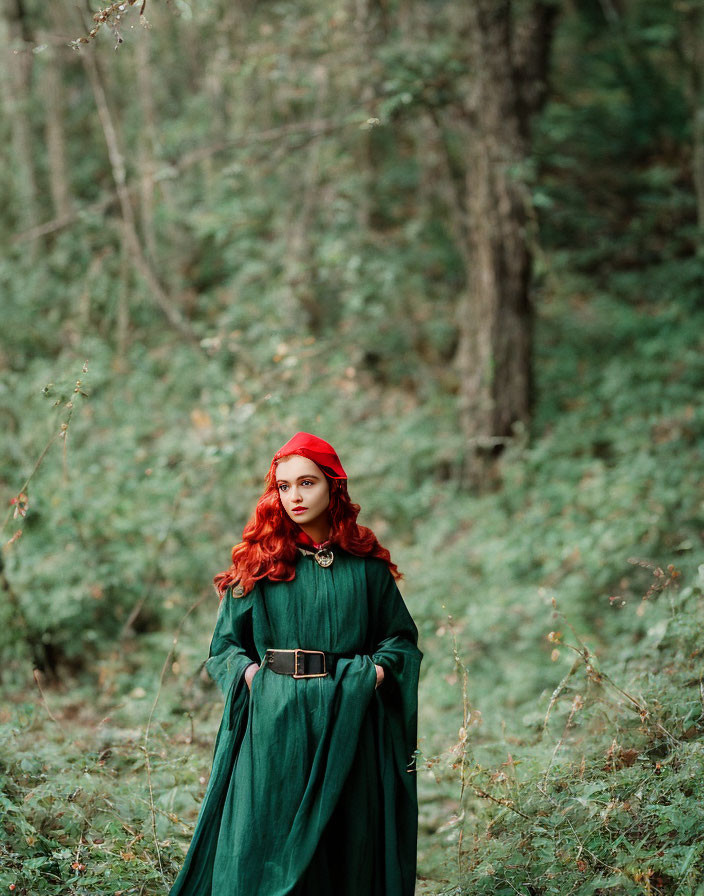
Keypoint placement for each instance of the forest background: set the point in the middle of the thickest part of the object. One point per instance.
(222, 223)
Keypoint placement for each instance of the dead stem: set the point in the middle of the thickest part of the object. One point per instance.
(37, 675)
(147, 730)
(577, 704)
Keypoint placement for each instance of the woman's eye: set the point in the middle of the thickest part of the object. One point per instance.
(282, 488)
(307, 482)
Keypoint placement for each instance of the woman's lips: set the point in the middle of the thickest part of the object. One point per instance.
(299, 509)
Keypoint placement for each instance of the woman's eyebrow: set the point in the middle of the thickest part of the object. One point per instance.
(298, 479)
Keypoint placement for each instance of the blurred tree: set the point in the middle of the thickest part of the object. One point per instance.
(690, 44)
(53, 95)
(148, 142)
(133, 253)
(508, 47)
(17, 39)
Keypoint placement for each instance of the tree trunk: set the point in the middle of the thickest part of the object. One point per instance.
(494, 354)
(300, 291)
(146, 146)
(691, 43)
(130, 236)
(16, 61)
(496, 321)
(370, 21)
(698, 162)
(54, 110)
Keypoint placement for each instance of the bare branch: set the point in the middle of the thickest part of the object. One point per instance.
(131, 237)
(309, 129)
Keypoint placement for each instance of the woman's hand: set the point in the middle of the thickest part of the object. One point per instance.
(249, 674)
(379, 675)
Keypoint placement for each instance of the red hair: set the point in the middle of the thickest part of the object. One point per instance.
(268, 547)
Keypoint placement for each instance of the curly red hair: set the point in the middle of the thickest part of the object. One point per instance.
(268, 547)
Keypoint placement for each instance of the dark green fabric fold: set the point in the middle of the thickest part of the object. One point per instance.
(313, 787)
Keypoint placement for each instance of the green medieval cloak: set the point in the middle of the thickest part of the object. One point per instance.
(313, 786)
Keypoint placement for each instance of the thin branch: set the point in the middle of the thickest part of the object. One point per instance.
(506, 804)
(455, 183)
(310, 129)
(147, 730)
(577, 704)
(559, 689)
(19, 615)
(45, 702)
(131, 237)
(61, 432)
(137, 608)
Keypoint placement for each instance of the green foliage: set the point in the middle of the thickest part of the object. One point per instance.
(611, 473)
(609, 795)
(302, 228)
(76, 813)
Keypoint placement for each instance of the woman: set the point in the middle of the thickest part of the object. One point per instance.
(313, 788)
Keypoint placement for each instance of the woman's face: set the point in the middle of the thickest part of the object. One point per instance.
(304, 492)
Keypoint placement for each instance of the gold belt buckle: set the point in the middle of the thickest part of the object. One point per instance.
(296, 674)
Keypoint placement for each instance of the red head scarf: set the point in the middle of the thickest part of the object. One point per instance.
(268, 547)
(318, 450)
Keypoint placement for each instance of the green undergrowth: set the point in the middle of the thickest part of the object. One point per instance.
(560, 613)
(77, 814)
(595, 786)
(559, 607)
(600, 789)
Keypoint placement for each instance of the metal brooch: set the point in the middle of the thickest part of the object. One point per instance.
(324, 557)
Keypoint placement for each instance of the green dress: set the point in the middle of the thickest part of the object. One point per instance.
(313, 786)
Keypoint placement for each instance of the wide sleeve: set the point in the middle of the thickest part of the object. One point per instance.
(232, 646)
(395, 647)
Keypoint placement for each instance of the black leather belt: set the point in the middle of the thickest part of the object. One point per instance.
(301, 663)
